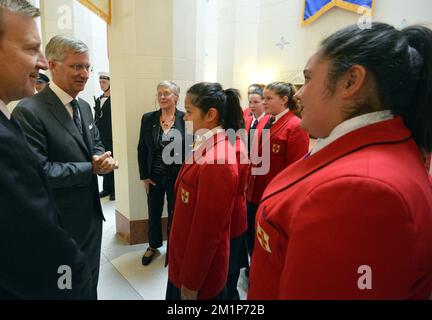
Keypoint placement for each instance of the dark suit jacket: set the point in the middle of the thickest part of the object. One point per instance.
(32, 244)
(149, 137)
(104, 123)
(66, 157)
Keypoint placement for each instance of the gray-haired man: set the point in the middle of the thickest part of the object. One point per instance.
(60, 129)
(39, 259)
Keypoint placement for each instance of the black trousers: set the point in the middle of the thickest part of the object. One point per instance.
(238, 260)
(91, 246)
(155, 201)
(174, 293)
(251, 215)
(108, 179)
(108, 183)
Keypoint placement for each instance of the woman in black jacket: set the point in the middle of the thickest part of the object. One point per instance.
(160, 156)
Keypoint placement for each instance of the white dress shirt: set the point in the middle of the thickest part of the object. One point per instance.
(351, 125)
(4, 109)
(280, 115)
(64, 97)
(199, 140)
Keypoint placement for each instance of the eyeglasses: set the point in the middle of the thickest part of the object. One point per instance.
(164, 95)
(80, 67)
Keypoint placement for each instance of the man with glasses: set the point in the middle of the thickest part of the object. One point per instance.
(60, 130)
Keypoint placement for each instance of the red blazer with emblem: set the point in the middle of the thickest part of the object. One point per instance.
(239, 217)
(199, 237)
(353, 221)
(288, 143)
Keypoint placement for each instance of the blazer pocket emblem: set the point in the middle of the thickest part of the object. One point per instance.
(263, 238)
(185, 196)
(276, 148)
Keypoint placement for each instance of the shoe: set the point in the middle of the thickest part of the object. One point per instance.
(148, 256)
(112, 197)
(104, 194)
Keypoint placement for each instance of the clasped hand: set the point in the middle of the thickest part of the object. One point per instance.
(104, 163)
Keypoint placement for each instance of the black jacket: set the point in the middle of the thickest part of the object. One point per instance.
(103, 121)
(66, 157)
(149, 137)
(32, 243)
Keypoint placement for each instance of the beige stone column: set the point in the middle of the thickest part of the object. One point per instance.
(149, 41)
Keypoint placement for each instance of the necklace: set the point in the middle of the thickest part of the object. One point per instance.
(167, 122)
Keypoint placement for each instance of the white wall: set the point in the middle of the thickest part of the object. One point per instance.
(263, 40)
(282, 18)
(69, 17)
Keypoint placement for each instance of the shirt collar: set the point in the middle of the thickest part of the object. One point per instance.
(4, 109)
(352, 125)
(280, 115)
(259, 118)
(199, 140)
(61, 94)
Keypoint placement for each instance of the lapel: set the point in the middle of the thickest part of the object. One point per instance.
(219, 137)
(387, 132)
(58, 110)
(280, 124)
(156, 127)
(179, 122)
(86, 126)
(248, 123)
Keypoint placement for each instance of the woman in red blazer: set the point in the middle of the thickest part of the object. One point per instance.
(354, 219)
(238, 258)
(284, 144)
(205, 193)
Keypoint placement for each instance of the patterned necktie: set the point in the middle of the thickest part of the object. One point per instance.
(75, 115)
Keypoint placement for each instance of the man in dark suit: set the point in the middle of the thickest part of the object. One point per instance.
(60, 130)
(39, 259)
(103, 122)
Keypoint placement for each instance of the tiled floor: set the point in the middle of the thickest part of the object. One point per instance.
(122, 276)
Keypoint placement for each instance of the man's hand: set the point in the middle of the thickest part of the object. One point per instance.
(147, 183)
(187, 294)
(104, 164)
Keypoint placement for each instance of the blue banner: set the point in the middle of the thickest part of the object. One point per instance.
(313, 9)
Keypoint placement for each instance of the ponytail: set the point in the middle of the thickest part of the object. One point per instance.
(418, 114)
(205, 95)
(285, 89)
(401, 65)
(234, 113)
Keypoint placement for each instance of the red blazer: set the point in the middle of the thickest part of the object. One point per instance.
(364, 200)
(239, 218)
(287, 143)
(261, 123)
(246, 113)
(199, 237)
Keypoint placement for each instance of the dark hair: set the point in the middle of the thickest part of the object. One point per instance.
(284, 89)
(206, 95)
(400, 63)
